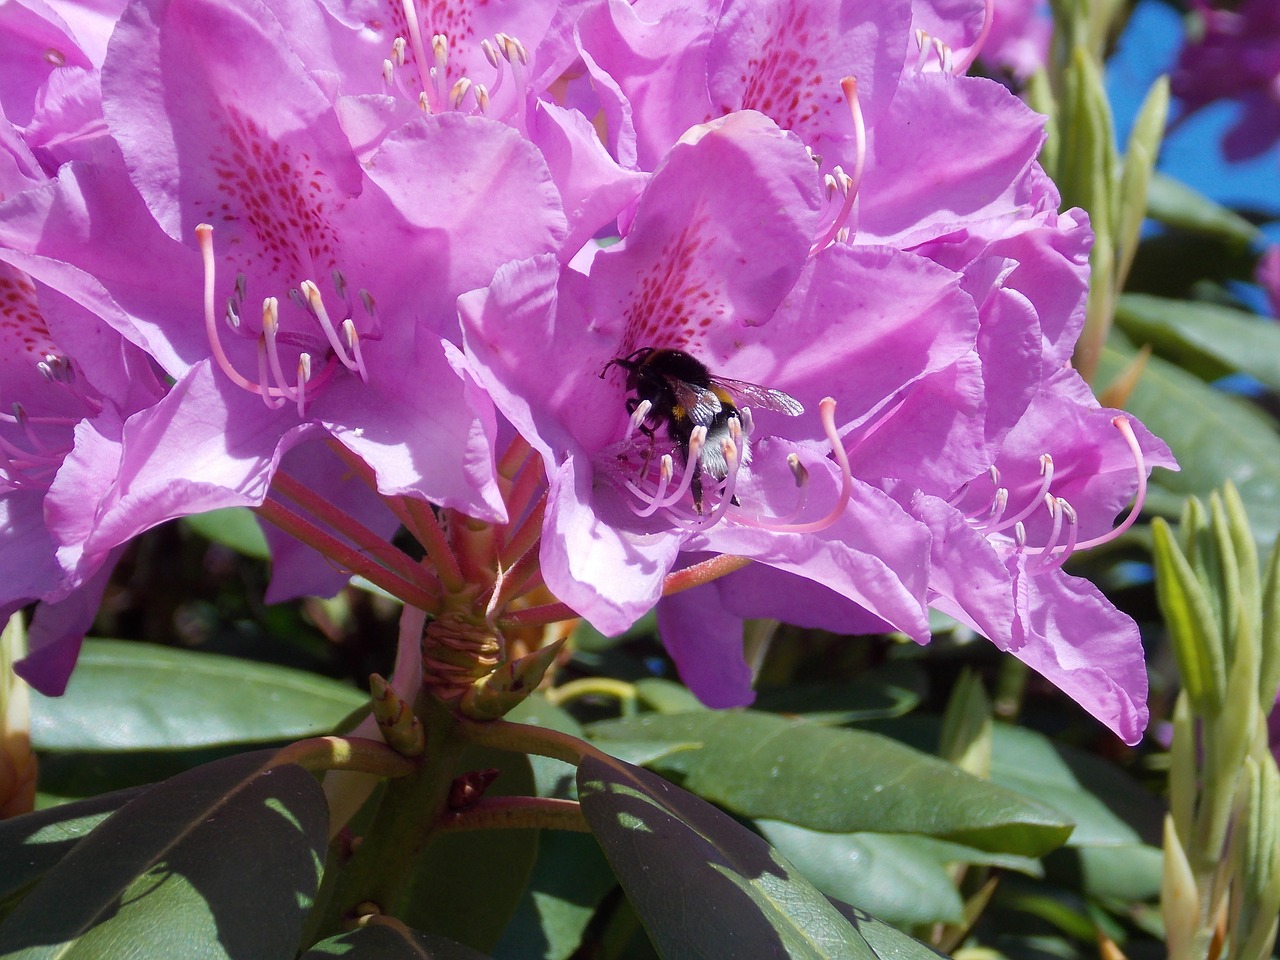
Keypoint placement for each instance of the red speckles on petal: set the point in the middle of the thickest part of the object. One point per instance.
(21, 321)
(782, 80)
(672, 306)
(277, 195)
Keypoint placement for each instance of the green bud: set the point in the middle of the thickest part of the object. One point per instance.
(1183, 776)
(1224, 588)
(1269, 657)
(1135, 178)
(492, 696)
(1256, 882)
(1179, 899)
(1192, 626)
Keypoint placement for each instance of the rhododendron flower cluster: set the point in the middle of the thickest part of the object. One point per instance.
(1235, 55)
(375, 264)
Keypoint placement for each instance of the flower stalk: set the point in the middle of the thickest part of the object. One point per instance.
(1220, 892)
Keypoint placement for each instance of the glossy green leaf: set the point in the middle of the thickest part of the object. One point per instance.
(467, 884)
(888, 943)
(1171, 201)
(568, 883)
(31, 844)
(384, 941)
(900, 878)
(553, 778)
(1186, 332)
(137, 696)
(704, 885)
(1215, 437)
(838, 780)
(1107, 805)
(220, 862)
(890, 691)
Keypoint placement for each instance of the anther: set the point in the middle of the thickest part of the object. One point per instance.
(490, 53)
(459, 92)
(398, 47)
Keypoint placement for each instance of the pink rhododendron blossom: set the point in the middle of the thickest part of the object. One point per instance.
(1019, 37)
(359, 235)
(49, 395)
(1236, 57)
(328, 284)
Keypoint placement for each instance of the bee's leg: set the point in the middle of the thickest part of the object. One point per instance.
(735, 501)
(695, 486)
(648, 454)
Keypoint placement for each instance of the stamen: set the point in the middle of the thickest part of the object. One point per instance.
(988, 16)
(826, 410)
(1052, 561)
(352, 337)
(490, 53)
(638, 417)
(697, 440)
(1046, 475)
(304, 375)
(439, 71)
(270, 396)
(923, 41)
(419, 51)
(482, 97)
(315, 306)
(459, 92)
(204, 237)
(850, 87)
(666, 470)
(1122, 424)
(270, 327)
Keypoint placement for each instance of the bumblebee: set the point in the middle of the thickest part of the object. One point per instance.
(684, 394)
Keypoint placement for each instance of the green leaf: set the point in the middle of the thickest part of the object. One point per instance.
(1107, 805)
(569, 881)
(137, 696)
(704, 885)
(1215, 437)
(900, 878)
(31, 844)
(667, 696)
(890, 691)
(386, 941)
(220, 862)
(1191, 333)
(234, 527)
(1173, 202)
(467, 884)
(553, 778)
(839, 781)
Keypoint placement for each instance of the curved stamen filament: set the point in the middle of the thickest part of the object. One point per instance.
(697, 440)
(826, 410)
(850, 87)
(988, 17)
(1122, 424)
(204, 237)
(665, 473)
